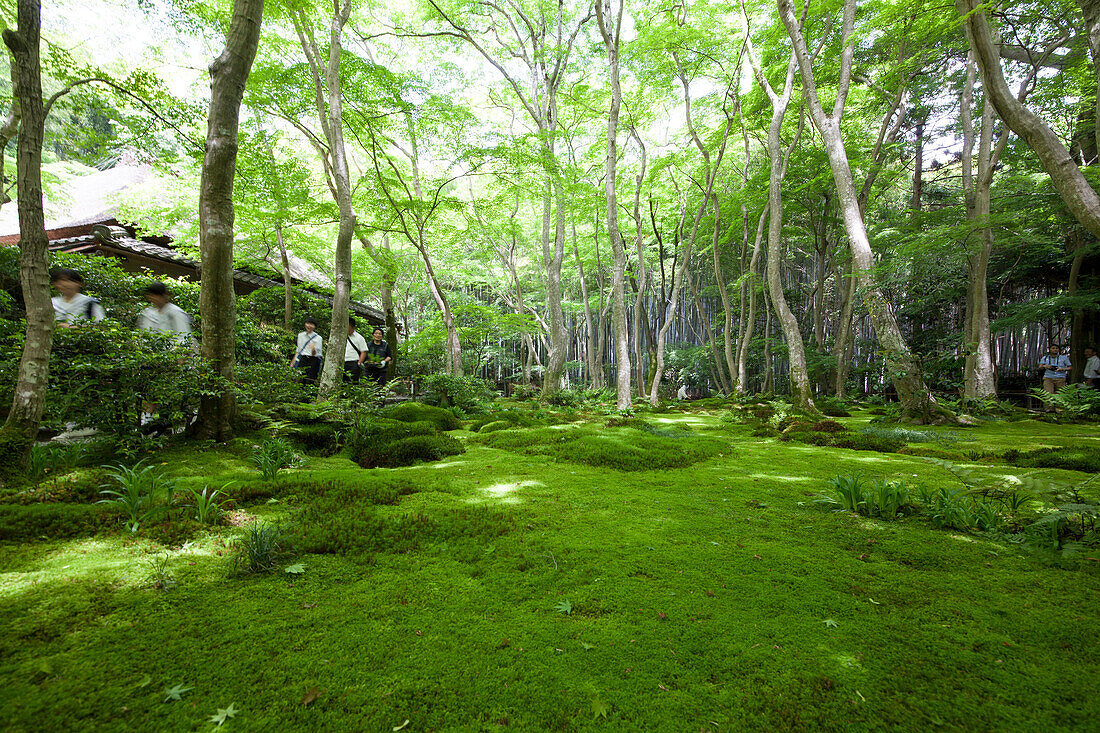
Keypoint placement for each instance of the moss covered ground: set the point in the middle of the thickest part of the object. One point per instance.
(510, 588)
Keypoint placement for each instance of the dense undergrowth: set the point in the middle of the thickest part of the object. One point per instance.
(554, 567)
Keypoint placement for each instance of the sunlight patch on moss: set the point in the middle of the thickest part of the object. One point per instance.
(504, 493)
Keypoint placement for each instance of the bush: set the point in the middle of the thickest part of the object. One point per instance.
(466, 393)
(828, 426)
(418, 412)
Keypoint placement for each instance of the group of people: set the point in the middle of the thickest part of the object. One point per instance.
(1056, 367)
(70, 306)
(360, 356)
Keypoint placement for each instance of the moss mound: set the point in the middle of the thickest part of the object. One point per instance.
(320, 437)
(18, 522)
(407, 451)
(419, 412)
(624, 449)
(381, 442)
(511, 418)
(1071, 458)
(863, 441)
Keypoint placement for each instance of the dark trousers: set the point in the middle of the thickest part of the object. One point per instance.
(310, 367)
(353, 371)
(377, 375)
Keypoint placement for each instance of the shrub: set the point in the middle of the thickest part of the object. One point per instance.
(407, 451)
(419, 412)
(828, 426)
(271, 383)
(562, 398)
(883, 499)
(831, 407)
(466, 393)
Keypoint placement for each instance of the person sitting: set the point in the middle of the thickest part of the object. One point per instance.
(379, 357)
(355, 351)
(72, 305)
(308, 355)
(1056, 366)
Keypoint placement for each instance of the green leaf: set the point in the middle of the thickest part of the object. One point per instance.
(296, 569)
(599, 709)
(585, 645)
(829, 623)
(565, 607)
(145, 681)
(175, 693)
(223, 715)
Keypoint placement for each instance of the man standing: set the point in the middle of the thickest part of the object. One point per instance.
(1056, 366)
(378, 358)
(308, 356)
(355, 351)
(1092, 368)
(72, 305)
(164, 315)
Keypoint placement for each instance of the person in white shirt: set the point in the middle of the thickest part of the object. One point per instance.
(72, 306)
(164, 315)
(355, 351)
(307, 357)
(682, 393)
(1092, 368)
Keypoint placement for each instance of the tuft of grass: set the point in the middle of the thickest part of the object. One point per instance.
(260, 548)
(273, 455)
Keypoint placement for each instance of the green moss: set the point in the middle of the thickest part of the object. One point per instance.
(32, 521)
(624, 449)
(319, 438)
(1072, 458)
(863, 441)
(419, 412)
(407, 451)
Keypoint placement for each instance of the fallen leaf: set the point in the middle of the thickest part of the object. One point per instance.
(757, 557)
(662, 615)
(662, 687)
(223, 715)
(830, 623)
(309, 605)
(710, 593)
(599, 708)
(175, 693)
(145, 681)
(585, 645)
(311, 694)
(399, 727)
(296, 569)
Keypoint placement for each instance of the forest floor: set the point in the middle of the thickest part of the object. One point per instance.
(500, 590)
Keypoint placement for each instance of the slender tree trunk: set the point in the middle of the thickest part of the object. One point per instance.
(288, 292)
(217, 300)
(609, 29)
(918, 403)
(727, 365)
(328, 99)
(1080, 197)
(750, 281)
(842, 345)
(641, 320)
(29, 399)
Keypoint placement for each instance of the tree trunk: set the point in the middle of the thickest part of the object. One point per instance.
(328, 99)
(842, 344)
(29, 400)
(1080, 198)
(609, 30)
(288, 292)
(749, 281)
(918, 403)
(217, 300)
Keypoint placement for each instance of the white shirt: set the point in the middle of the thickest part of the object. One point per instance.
(68, 311)
(1092, 367)
(682, 393)
(309, 344)
(170, 319)
(350, 353)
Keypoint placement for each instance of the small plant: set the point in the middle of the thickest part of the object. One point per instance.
(1073, 400)
(888, 498)
(135, 490)
(950, 508)
(160, 575)
(208, 507)
(54, 458)
(848, 494)
(259, 548)
(274, 455)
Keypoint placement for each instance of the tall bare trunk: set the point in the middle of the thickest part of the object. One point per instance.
(750, 281)
(1080, 197)
(609, 30)
(29, 400)
(917, 400)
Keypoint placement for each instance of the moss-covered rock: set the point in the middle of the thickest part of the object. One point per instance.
(407, 451)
